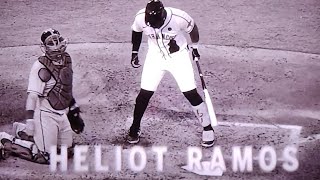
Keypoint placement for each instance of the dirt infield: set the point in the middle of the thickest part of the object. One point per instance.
(261, 62)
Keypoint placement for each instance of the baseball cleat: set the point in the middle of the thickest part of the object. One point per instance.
(207, 138)
(5, 137)
(133, 138)
(19, 131)
(17, 128)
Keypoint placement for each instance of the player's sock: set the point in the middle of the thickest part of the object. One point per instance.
(142, 102)
(208, 128)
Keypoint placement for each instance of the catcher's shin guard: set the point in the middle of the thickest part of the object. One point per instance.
(26, 150)
(4, 139)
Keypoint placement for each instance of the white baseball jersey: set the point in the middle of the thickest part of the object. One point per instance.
(177, 22)
(159, 59)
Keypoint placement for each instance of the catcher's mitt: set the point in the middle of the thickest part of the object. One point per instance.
(75, 120)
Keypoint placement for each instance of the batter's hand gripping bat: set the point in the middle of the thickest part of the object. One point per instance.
(207, 98)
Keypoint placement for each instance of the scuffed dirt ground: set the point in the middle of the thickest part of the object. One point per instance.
(248, 85)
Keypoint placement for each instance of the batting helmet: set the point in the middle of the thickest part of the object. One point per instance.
(155, 14)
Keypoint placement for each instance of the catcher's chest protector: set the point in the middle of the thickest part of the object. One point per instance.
(60, 95)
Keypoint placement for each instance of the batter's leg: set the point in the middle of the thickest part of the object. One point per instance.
(142, 102)
(152, 74)
(185, 80)
(201, 111)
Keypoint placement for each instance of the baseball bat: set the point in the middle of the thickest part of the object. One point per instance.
(207, 98)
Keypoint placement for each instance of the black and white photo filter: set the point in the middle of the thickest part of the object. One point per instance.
(260, 61)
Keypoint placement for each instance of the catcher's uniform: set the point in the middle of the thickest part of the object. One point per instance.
(53, 85)
(168, 50)
(51, 110)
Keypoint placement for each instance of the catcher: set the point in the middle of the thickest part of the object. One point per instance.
(51, 110)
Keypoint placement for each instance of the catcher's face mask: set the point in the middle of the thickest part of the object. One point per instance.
(155, 14)
(54, 44)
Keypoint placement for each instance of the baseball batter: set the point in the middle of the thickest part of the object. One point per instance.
(49, 103)
(167, 52)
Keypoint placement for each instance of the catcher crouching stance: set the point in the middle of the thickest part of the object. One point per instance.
(168, 51)
(51, 110)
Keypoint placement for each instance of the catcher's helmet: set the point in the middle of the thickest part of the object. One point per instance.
(46, 33)
(53, 43)
(155, 14)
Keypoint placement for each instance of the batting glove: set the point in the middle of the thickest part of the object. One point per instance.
(135, 60)
(195, 53)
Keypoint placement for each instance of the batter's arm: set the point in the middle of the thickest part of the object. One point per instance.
(136, 41)
(194, 35)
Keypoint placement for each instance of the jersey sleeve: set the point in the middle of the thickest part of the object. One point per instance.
(185, 21)
(138, 22)
(35, 84)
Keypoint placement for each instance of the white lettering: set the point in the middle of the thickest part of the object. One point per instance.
(80, 156)
(194, 158)
(143, 158)
(160, 150)
(98, 160)
(291, 162)
(239, 162)
(55, 158)
(217, 160)
(118, 156)
(263, 158)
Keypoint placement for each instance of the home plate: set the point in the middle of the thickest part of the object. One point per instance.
(205, 171)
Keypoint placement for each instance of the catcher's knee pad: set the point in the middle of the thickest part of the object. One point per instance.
(144, 96)
(193, 97)
(202, 114)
